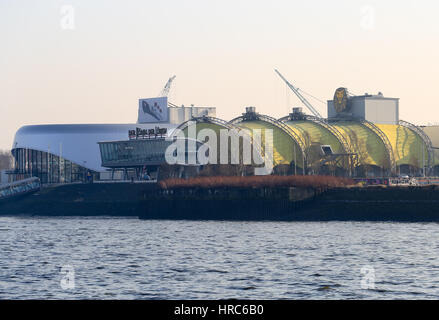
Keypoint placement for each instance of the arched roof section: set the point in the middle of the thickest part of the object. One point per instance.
(366, 143)
(206, 122)
(426, 139)
(286, 144)
(409, 147)
(317, 132)
(314, 133)
(433, 133)
(217, 125)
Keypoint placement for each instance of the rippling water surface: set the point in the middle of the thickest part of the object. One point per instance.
(135, 259)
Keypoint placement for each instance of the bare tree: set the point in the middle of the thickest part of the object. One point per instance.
(5, 160)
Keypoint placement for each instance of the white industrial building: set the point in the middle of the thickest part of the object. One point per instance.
(66, 152)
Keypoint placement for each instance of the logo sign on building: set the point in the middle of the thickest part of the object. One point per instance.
(139, 133)
(153, 110)
(341, 100)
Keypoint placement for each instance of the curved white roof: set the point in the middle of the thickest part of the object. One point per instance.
(78, 142)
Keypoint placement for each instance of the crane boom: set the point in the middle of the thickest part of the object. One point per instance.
(302, 98)
(165, 91)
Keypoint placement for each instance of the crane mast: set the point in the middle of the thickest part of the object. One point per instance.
(165, 91)
(302, 98)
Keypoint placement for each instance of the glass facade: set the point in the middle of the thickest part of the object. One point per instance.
(135, 153)
(48, 167)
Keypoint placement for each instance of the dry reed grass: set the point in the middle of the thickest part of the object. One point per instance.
(257, 182)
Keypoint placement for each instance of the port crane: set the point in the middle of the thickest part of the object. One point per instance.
(165, 90)
(302, 98)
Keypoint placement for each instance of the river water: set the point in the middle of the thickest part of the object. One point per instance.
(115, 258)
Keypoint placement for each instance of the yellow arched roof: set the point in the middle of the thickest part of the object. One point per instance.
(433, 133)
(314, 133)
(216, 127)
(368, 145)
(284, 145)
(407, 145)
(206, 125)
(314, 136)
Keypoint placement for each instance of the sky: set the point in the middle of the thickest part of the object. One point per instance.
(83, 61)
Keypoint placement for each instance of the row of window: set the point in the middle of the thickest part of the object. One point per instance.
(48, 167)
(134, 151)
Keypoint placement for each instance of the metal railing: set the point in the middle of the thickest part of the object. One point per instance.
(206, 119)
(19, 187)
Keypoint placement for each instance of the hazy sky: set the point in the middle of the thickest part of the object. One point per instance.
(88, 61)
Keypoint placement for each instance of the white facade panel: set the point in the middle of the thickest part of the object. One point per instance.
(77, 142)
(383, 111)
(376, 109)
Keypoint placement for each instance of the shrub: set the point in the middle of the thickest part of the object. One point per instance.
(257, 182)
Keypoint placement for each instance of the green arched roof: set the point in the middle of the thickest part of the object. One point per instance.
(284, 145)
(364, 142)
(314, 136)
(433, 133)
(215, 127)
(205, 125)
(314, 133)
(406, 144)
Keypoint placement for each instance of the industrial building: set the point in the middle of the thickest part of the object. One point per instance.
(304, 144)
(65, 153)
(361, 137)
